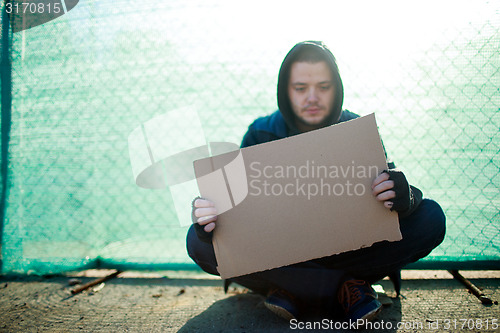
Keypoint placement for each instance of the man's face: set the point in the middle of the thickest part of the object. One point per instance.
(312, 93)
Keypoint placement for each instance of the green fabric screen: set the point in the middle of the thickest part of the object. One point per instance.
(83, 81)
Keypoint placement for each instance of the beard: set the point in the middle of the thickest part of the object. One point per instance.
(323, 123)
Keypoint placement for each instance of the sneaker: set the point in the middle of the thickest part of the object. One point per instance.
(282, 303)
(359, 300)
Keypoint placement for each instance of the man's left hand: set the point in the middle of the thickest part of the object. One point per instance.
(383, 189)
(392, 188)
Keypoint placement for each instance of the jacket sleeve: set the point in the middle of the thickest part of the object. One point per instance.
(408, 197)
(416, 198)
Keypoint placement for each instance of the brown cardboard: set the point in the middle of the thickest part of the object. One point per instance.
(269, 229)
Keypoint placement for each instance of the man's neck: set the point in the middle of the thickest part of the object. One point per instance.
(306, 128)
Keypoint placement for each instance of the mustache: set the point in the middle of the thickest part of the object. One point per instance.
(309, 106)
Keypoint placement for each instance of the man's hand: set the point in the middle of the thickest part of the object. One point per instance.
(205, 214)
(393, 189)
(382, 189)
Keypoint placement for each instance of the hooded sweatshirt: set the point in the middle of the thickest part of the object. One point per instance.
(282, 123)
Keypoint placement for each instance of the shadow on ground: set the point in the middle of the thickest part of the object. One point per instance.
(246, 312)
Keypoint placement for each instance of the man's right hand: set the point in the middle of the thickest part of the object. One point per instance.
(206, 213)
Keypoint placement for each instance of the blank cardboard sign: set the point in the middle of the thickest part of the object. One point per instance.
(296, 199)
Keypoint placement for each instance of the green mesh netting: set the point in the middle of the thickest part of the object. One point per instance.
(83, 82)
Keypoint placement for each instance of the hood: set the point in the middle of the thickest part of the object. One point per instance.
(318, 52)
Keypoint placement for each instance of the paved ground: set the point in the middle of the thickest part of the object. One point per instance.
(195, 302)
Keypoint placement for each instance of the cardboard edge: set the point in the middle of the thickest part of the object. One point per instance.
(223, 273)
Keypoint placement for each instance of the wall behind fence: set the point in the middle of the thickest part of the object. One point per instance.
(83, 82)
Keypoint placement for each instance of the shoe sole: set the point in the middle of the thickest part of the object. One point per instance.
(370, 316)
(279, 311)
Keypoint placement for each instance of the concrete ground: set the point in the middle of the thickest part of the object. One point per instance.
(195, 302)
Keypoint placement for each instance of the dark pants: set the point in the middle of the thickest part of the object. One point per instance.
(317, 281)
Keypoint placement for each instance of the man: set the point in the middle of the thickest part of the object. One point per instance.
(310, 96)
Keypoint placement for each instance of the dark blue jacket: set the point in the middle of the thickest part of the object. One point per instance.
(273, 127)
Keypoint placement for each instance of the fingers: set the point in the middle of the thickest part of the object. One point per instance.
(206, 213)
(209, 227)
(383, 187)
(381, 178)
(382, 190)
(201, 212)
(203, 203)
(206, 219)
(384, 196)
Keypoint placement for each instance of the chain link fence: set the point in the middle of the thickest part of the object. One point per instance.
(82, 82)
